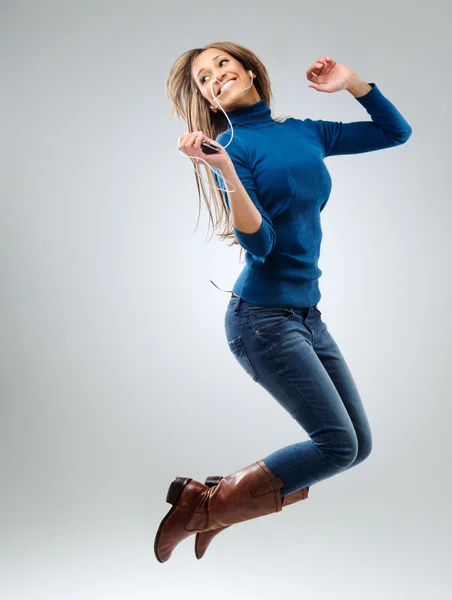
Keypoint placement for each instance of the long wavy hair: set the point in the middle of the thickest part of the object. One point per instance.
(190, 105)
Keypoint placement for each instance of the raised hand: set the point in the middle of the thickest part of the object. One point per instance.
(328, 75)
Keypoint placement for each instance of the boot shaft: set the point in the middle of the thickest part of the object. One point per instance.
(246, 494)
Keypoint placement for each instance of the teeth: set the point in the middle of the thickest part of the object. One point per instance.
(228, 84)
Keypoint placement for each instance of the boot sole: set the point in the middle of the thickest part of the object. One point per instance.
(172, 497)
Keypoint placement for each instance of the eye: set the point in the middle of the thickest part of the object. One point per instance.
(221, 61)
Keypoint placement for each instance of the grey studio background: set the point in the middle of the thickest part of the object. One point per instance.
(115, 372)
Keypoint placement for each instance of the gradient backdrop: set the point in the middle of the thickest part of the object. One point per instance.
(115, 371)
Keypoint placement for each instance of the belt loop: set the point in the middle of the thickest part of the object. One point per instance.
(237, 305)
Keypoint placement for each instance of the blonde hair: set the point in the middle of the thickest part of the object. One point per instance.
(190, 105)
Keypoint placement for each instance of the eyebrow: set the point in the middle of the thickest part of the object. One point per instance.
(204, 67)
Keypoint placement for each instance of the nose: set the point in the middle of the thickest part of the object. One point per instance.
(219, 77)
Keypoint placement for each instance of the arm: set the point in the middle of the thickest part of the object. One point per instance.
(252, 225)
(357, 86)
(387, 128)
(246, 218)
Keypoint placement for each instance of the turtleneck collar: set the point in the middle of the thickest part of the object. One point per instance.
(257, 113)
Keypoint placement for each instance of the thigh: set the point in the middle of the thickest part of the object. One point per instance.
(338, 371)
(273, 346)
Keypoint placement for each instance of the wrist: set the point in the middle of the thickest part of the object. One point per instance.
(227, 168)
(357, 86)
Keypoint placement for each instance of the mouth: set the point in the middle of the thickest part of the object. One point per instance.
(227, 86)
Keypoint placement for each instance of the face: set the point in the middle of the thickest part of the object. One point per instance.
(212, 65)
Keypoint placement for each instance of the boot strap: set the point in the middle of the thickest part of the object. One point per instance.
(268, 486)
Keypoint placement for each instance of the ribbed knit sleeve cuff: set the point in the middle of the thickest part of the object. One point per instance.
(261, 242)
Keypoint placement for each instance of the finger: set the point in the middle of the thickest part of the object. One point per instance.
(190, 140)
(311, 72)
(194, 146)
(198, 140)
(183, 139)
(187, 149)
(316, 68)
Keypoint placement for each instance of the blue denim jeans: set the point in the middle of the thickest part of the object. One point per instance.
(292, 355)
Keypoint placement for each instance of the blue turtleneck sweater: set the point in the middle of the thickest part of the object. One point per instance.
(281, 166)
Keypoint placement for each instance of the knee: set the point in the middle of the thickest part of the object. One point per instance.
(364, 449)
(346, 454)
(348, 450)
(342, 449)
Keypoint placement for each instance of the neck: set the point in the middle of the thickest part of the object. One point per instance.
(252, 114)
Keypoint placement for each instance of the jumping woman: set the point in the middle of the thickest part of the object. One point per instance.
(268, 184)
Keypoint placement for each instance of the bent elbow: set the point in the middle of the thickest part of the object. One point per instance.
(260, 243)
(403, 135)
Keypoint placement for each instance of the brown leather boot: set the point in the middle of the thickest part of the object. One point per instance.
(204, 538)
(249, 493)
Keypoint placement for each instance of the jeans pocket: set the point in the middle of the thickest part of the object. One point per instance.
(238, 350)
(271, 317)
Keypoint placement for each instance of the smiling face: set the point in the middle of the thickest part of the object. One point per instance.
(212, 65)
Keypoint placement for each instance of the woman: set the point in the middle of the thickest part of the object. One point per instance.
(275, 185)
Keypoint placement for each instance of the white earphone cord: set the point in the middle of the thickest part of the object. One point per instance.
(232, 130)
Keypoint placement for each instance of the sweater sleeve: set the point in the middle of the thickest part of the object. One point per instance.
(387, 128)
(261, 242)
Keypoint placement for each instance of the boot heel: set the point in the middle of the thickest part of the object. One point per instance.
(175, 489)
(213, 480)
